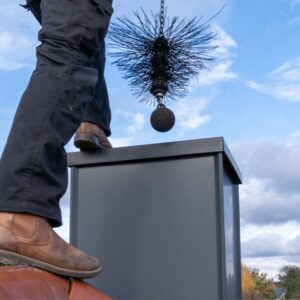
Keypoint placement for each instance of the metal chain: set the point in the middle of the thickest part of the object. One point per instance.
(162, 17)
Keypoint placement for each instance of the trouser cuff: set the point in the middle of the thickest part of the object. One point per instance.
(103, 126)
(54, 220)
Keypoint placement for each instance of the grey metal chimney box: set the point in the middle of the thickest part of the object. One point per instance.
(163, 219)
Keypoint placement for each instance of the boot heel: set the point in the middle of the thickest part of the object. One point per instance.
(86, 142)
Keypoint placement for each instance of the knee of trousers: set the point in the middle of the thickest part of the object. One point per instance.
(77, 24)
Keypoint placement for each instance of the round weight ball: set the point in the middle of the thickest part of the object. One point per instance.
(162, 119)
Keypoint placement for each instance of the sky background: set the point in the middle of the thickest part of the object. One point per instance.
(250, 95)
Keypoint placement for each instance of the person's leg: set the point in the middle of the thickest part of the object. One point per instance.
(33, 166)
(98, 111)
(95, 128)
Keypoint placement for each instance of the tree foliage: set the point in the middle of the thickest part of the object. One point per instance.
(248, 284)
(264, 286)
(256, 285)
(289, 278)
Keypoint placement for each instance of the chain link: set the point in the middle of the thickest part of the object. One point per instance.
(162, 17)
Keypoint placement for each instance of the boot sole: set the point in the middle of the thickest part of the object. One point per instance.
(86, 142)
(14, 259)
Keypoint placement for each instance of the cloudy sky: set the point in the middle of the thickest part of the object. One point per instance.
(250, 95)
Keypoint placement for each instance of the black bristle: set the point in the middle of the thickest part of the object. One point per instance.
(166, 62)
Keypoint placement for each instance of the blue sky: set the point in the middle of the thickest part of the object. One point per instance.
(250, 95)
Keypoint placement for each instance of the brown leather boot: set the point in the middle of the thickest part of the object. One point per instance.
(90, 136)
(30, 240)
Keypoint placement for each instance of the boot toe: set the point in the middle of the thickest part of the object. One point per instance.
(93, 263)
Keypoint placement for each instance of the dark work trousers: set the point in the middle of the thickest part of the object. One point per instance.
(64, 90)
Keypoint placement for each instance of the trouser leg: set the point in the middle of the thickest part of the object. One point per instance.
(98, 111)
(33, 166)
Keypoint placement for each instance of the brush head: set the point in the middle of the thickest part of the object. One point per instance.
(160, 62)
(159, 58)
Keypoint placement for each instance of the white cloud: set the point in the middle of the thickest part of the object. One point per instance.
(270, 265)
(189, 112)
(223, 41)
(271, 190)
(293, 141)
(264, 245)
(222, 70)
(289, 71)
(289, 230)
(18, 36)
(195, 122)
(269, 202)
(277, 164)
(270, 247)
(138, 124)
(219, 73)
(261, 204)
(282, 83)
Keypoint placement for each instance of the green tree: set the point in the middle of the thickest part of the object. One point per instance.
(289, 278)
